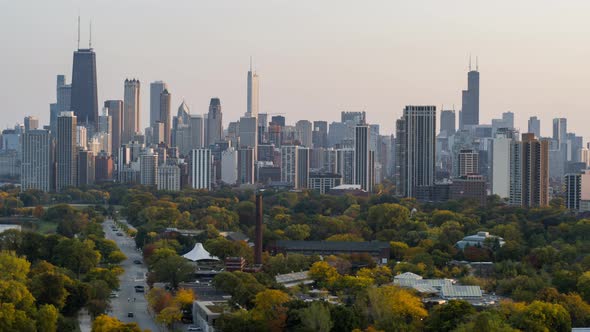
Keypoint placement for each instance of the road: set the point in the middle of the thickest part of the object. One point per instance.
(128, 301)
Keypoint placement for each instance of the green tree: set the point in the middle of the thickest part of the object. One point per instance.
(12, 319)
(50, 288)
(387, 216)
(584, 286)
(78, 256)
(174, 270)
(448, 316)
(13, 267)
(47, 318)
(298, 231)
(316, 317)
(543, 316)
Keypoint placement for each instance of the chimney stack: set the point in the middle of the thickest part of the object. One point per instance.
(258, 241)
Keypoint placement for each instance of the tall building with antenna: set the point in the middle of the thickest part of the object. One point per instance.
(252, 99)
(469, 115)
(84, 95)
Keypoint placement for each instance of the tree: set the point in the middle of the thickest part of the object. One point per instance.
(486, 321)
(394, 309)
(345, 318)
(584, 286)
(49, 287)
(184, 298)
(104, 323)
(78, 256)
(543, 316)
(169, 315)
(47, 318)
(159, 299)
(269, 308)
(448, 316)
(298, 231)
(17, 293)
(316, 317)
(323, 273)
(13, 267)
(381, 274)
(12, 319)
(174, 270)
(386, 216)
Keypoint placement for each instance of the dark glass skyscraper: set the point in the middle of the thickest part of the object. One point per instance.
(469, 115)
(84, 102)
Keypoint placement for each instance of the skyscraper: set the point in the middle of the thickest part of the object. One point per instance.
(37, 160)
(156, 88)
(289, 164)
(447, 122)
(362, 162)
(63, 102)
(501, 147)
(529, 172)
(302, 178)
(534, 126)
(304, 133)
(31, 123)
(248, 132)
(467, 162)
(165, 100)
(252, 93)
(66, 151)
(84, 100)
(115, 110)
(469, 115)
(148, 168)
(131, 110)
(320, 134)
(245, 165)
(201, 171)
(86, 168)
(214, 122)
(415, 146)
(560, 130)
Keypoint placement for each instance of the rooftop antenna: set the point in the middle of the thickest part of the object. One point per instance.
(90, 39)
(469, 61)
(476, 64)
(250, 63)
(78, 31)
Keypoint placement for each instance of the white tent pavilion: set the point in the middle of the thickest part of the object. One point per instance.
(199, 254)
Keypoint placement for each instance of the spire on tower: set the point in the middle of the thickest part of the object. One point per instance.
(78, 31)
(469, 61)
(250, 63)
(90, 39)
(476, 64)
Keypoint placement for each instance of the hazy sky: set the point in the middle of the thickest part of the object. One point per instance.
(315, 58)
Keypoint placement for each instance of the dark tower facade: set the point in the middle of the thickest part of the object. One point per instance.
(84, 102)
(469, 115)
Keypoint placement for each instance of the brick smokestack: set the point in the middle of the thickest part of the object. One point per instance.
(258, 240)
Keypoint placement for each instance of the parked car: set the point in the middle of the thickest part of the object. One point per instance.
(139, 289)
(130, 314)
(119, 234)
(194, 328)
(113, 295)
(137, 261)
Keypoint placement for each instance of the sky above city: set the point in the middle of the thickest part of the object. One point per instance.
(315, 58)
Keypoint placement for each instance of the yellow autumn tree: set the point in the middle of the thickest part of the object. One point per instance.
(323, 274)
(394, 309)
(269, 308)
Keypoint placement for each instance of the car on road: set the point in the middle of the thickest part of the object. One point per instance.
(130, 314)
(119, 234)
(194, 328)
(139, 289)
(113, 295)
(137, 261)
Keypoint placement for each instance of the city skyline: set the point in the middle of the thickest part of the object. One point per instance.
(379, 82)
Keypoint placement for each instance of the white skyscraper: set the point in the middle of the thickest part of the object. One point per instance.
(304, 132)
(501, 163)
(289, 164)
(37, 160)
(229, 166)
(156, 88)
(252, 99)
(148, 168)
(201, 168)
(169, 178)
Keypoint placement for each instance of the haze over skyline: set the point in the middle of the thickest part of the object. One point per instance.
(314, 59)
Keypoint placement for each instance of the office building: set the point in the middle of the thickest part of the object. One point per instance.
(229, 166)
(165, 100)
(131, 110)
(214, 122)
(415, 146)
(84, 97)
(529, 172)
(196, 132)
(37, 160)
(156, 89)
(278, 120)
(148, 168)
(63, 104)
(501, 155)
(323, 182)
(354, 117)
(66, 151)
(248, 132)
(320, 134)
(289, 164)
(115, 110)
(469, 115)
(471, 187)
(467, 162)
(447, 122)
(246, 165)
(560, 130)
(362, 160)
(534, 126)
(201, 170)
(302, 177)
(31, 123)
(169, 178)
(304, 133)
(86, 168)
(573, 191)
(252, 93)
(103, 166)
(345, 159)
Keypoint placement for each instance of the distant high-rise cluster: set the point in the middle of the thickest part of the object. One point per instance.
(82, 146)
